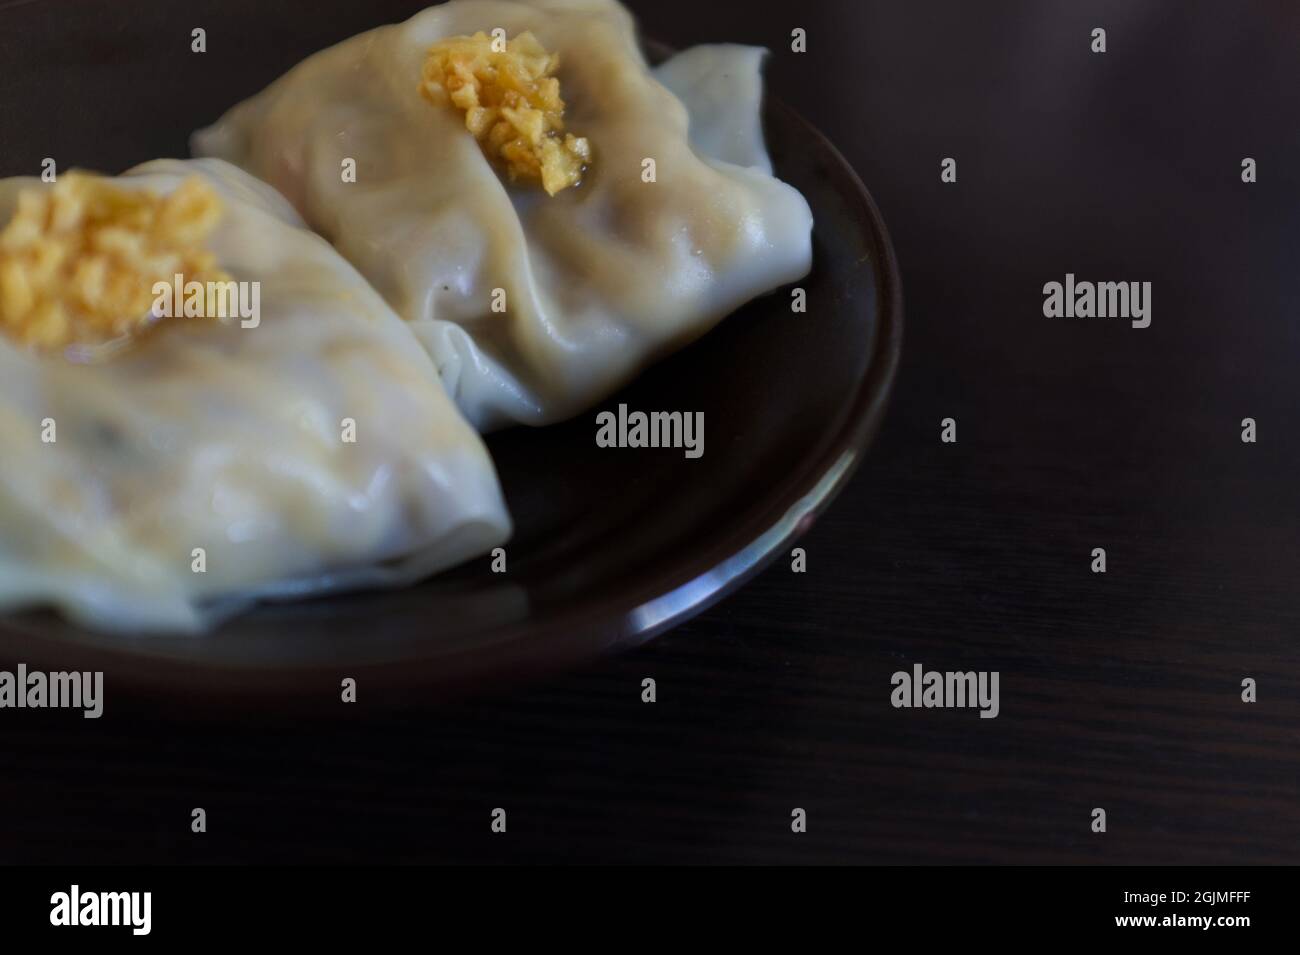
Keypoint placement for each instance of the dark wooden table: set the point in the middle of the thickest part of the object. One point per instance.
(1119, 690)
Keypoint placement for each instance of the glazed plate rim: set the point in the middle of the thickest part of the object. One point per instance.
(606, 622)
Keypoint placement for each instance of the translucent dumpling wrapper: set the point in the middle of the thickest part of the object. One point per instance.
(213, 463)
(534, 307)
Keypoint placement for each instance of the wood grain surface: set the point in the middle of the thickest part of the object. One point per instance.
(1119, 690)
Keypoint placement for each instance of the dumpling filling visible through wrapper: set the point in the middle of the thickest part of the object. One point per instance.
(210, 464)
(535, 307)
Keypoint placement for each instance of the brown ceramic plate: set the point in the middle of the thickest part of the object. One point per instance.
(612, 547)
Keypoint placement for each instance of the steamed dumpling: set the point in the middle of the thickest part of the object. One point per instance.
(589, 285)
(232, 440)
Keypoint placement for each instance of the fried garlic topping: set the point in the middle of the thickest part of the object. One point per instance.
(79, 259)
(512, 105)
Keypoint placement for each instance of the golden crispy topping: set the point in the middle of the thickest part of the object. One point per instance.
(79, 259)
(512, 105)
